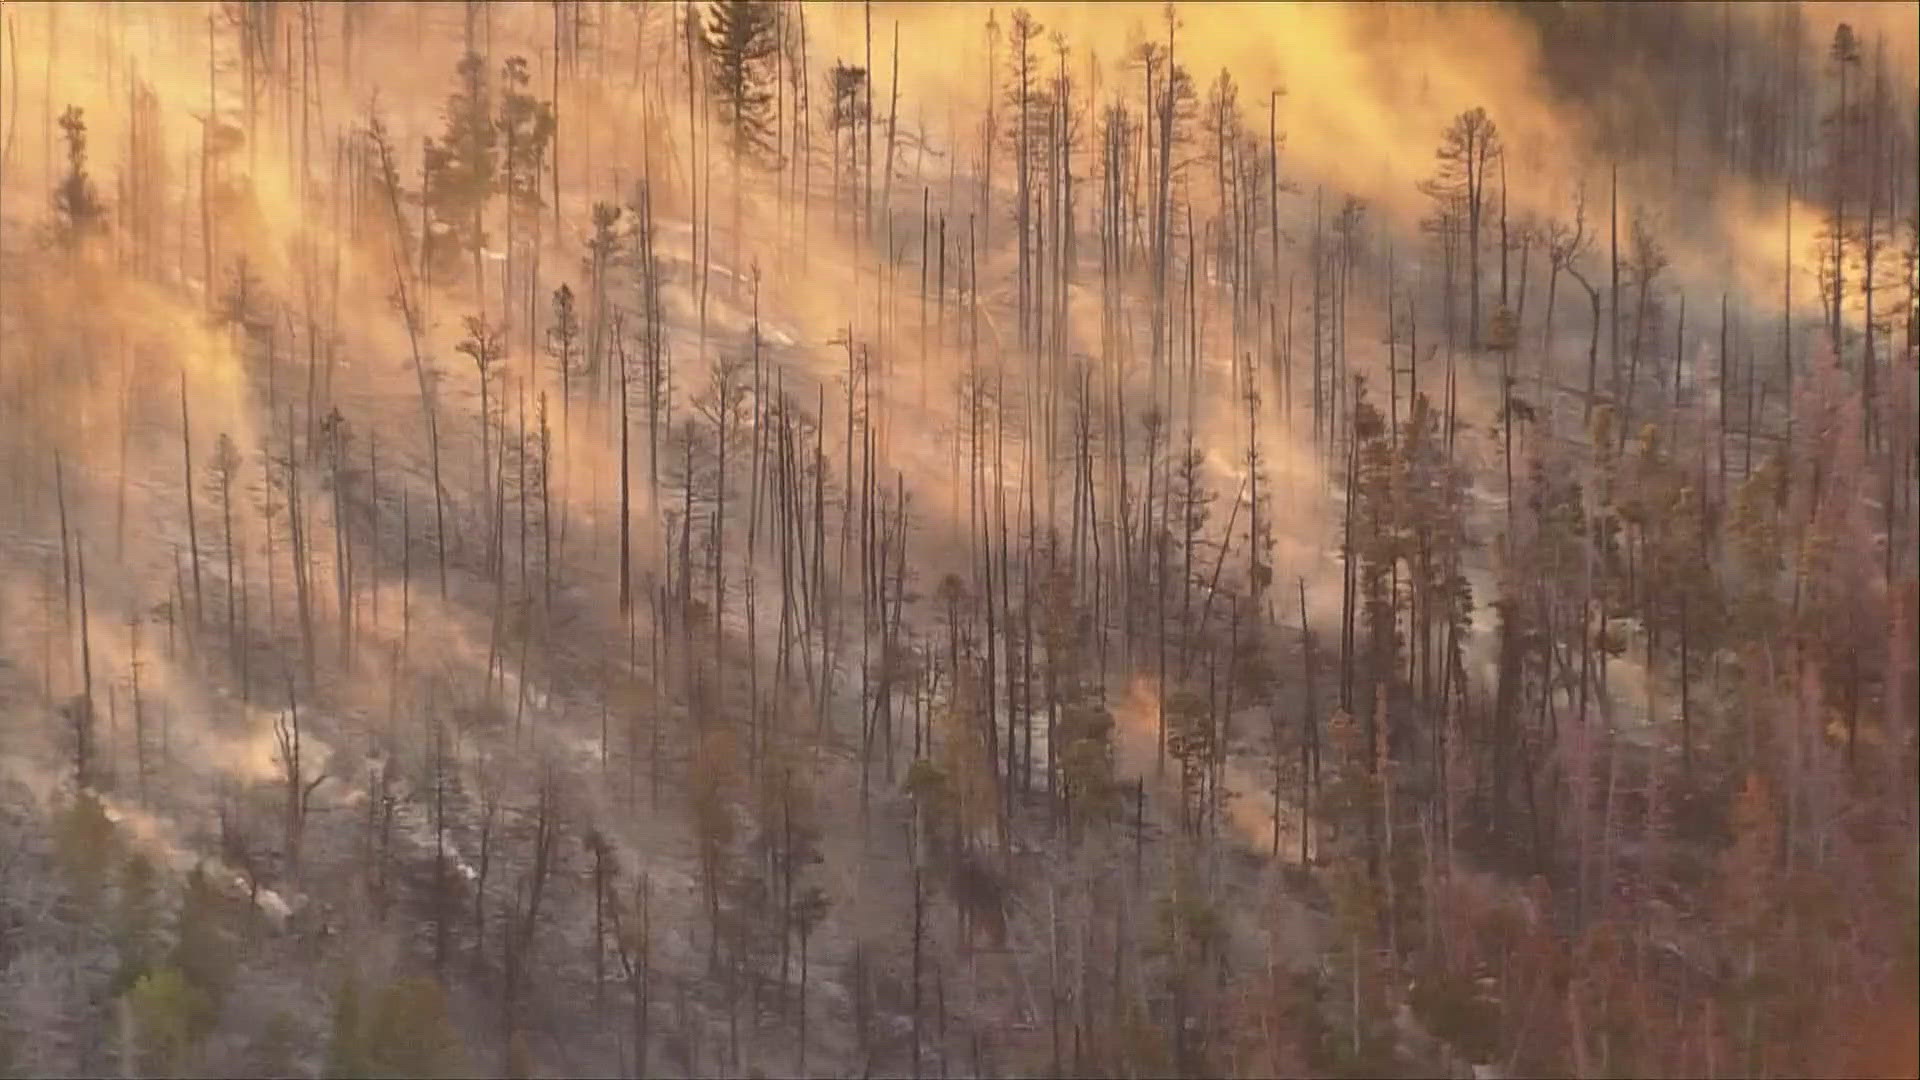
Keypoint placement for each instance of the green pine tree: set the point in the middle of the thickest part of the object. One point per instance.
(461, 169)
(79, 213)
(742, 45)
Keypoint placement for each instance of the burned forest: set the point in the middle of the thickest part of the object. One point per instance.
(772, 538)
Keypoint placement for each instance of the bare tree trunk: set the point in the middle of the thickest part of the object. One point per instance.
(193, 529)
(83, 709)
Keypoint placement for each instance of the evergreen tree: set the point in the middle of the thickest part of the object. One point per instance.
(403, 1030)
(563, 336)
(169, 1017)
(136, 929)
(525, 128)
(846, 107)
(203, 949)
(742, 45)
(461, 168)
(79, 214)
(742, 50)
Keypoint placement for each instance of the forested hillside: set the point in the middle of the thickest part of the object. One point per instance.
(749, 537)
